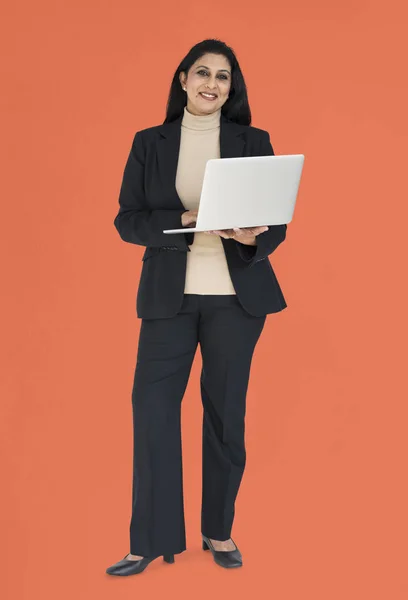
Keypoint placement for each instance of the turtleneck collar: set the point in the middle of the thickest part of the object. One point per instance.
(202, 122)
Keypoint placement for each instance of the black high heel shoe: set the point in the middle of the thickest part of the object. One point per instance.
(225, 558)
(131, 567)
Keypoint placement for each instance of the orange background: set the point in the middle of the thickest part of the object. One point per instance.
(322, 509)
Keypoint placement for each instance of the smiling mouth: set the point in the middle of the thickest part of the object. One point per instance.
(208, 96)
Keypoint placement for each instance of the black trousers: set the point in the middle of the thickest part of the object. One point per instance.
(227, 335)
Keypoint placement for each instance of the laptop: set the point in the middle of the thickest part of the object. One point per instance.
(247, 191)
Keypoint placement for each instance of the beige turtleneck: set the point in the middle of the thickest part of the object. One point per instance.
(207, 269)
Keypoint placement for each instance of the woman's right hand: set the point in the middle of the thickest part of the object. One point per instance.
(189, 218)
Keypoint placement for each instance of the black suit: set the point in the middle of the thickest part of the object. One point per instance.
(227, 328)
(149, 203)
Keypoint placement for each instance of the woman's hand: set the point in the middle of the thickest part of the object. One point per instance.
(189, 218)
(244, 235)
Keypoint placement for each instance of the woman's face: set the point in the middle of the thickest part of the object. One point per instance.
(212, 74)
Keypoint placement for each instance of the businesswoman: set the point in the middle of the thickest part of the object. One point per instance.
(213, 289)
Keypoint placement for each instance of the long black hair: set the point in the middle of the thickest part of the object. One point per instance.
(236, 108)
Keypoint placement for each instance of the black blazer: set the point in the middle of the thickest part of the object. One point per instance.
(149, 203)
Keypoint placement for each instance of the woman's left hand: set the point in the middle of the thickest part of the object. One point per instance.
(244, 235)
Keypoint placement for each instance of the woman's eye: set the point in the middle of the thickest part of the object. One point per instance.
(205, 73)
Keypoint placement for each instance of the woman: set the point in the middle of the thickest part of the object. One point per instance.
(212, 288)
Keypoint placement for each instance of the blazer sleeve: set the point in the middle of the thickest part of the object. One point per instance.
(137, 224)
(269, 240)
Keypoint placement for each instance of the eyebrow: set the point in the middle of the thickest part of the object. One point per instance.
(210, 69)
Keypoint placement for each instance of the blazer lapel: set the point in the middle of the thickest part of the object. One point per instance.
(168, 147)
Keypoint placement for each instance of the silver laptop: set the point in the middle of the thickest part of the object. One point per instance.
(247, 191)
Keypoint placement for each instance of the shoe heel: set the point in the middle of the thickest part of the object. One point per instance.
(168, 558)
(205, 545)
